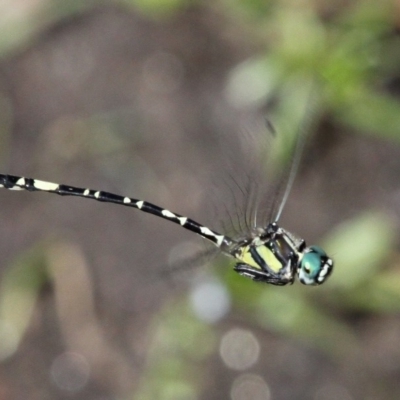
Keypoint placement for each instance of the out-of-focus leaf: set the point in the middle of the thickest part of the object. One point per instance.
(369, 112)
(251, 82)
(179, 342)
(157, 8)
(382, 295)
(359, 248)
(19, 290)
(294, 315)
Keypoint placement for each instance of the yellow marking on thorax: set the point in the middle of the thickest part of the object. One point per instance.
(264, 252)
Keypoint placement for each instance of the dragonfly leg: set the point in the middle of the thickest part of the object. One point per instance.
(259, 275)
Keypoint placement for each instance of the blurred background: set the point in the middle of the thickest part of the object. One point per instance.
(162, 100)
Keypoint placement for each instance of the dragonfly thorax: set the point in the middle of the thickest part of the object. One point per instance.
(276, 256)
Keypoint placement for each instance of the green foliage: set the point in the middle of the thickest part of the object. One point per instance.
(158, 8)
(350, 56)
(19, 291)
(360, 246)
(179, 345)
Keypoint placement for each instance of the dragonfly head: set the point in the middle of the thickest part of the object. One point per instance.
(314, 267)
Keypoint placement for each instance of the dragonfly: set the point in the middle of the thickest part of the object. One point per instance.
(269, 254)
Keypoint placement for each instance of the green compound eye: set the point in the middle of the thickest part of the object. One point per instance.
(314, 267)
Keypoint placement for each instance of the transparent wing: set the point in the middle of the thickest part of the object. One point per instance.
(297, 110)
